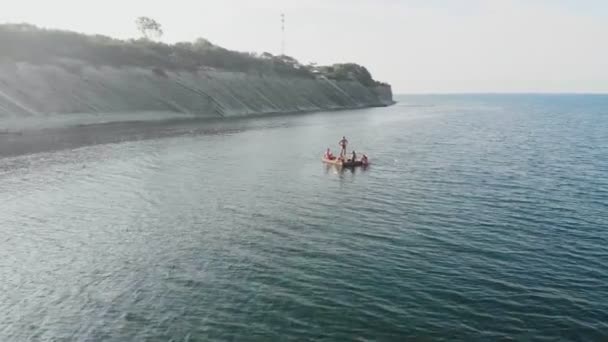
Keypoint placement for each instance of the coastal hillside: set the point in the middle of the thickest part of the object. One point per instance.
(45, 72)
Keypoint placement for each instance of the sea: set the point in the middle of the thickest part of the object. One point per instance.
(482, 217)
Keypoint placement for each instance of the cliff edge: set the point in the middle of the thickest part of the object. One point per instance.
(45, 72)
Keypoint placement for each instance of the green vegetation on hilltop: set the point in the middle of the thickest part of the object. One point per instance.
(349, 71)
(27, 43)
(147, 26)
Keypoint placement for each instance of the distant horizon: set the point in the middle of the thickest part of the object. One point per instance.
(419, 47)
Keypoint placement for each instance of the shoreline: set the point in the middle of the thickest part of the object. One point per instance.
(169, 117)
(31, 141)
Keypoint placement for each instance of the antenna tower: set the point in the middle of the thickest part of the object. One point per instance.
(282, 34)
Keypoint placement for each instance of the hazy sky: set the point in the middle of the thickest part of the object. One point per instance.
(416, 45)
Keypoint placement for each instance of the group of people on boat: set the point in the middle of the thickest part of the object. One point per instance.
(343, 143)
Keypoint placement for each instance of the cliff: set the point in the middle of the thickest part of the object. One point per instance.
(48, 72)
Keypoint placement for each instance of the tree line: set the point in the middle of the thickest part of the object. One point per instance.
(24, 42)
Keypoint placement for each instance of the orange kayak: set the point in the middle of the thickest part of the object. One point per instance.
(344, 163)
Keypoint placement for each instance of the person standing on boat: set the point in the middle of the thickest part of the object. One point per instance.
(354, 156)
(343, 144)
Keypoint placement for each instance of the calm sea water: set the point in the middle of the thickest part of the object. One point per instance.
(481, 218)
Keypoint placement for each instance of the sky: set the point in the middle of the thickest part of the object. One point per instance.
(418, 46)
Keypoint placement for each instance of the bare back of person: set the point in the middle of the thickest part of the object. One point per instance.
(343, 143)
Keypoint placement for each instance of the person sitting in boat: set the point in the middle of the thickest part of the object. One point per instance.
(329, 155)
(342, 143)
(354, 158)
(364, 160)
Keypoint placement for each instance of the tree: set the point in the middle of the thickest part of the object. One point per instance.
(266, 55)
(147, 26)
(202, 44)
(288, 60)
(350, 71)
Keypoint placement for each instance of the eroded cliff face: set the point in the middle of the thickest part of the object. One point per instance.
(28, 90)
(385, 94)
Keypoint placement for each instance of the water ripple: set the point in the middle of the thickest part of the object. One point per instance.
(478, 220)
